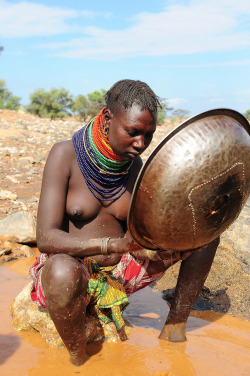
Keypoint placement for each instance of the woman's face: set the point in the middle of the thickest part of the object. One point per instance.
(129, 132)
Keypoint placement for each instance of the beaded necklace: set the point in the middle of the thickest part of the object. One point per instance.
(105, 173)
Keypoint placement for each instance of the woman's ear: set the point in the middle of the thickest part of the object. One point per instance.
(107, 117)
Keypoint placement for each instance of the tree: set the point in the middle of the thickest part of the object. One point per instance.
(180, 113)
(88, 107)
(55, 103)
(161, 116)
(8, 101)
(96, 101)
(162, 111)
(247, 115)
(80, 107)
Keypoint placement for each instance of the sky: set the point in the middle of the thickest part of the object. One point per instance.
(193, 53)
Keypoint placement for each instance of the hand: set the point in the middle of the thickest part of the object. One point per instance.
(178, 255)
(125, 245)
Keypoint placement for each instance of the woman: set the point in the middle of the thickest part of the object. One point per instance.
(81, 224)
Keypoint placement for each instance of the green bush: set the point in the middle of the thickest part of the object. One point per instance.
(87, 107)
(96, 102)
(80, 107)
(8, 101)
(180, 113)
(52, 104)
(247, 115)
(162, 111)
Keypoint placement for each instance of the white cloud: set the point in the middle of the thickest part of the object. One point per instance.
(216, 100)
(196, 26)
(243, 92)
(29, 19)
(209, 65)
(175, 101)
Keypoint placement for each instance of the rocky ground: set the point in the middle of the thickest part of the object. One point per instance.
(25, 141)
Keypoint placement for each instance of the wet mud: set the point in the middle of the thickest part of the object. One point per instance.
(216, 344)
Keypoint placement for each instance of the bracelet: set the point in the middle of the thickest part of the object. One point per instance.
(104, 246)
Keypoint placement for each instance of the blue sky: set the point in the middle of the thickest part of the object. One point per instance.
(195, 53)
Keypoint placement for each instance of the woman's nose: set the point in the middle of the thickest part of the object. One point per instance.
(139, 142)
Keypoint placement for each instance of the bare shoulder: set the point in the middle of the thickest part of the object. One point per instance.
(63, 149)
(61, 157)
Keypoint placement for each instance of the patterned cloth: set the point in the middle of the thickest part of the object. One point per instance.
(108, 287)
(131, 272)
(106, 295)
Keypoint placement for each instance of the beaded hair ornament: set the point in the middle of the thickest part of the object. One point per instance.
(105, 173)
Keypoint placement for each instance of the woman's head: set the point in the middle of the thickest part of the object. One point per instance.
(124, 94)
(130, 117)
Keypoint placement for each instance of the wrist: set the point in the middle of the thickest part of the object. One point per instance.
(104, 246)
(112, 246)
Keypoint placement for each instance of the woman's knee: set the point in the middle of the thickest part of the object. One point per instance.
(63, 279)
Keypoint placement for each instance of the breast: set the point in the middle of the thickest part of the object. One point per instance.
(82, 205)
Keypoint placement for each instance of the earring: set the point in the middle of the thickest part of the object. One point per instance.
(106, 131)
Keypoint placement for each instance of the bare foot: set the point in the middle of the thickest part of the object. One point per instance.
(80, 360)
(122, 333)
(174, 332)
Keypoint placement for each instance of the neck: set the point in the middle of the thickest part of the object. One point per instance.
(105, 176)
(100, 139)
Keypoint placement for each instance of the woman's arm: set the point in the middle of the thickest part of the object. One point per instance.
(51, 211)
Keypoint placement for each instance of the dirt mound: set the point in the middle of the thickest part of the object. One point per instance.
(15, 116)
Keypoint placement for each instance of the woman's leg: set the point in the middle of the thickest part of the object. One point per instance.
(65, 288)
(193, 273)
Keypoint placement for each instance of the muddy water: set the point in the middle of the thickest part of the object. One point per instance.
(217, 344)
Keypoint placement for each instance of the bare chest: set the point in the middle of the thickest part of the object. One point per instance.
(83, 206)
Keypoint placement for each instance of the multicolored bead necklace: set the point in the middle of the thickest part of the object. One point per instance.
(105, 173)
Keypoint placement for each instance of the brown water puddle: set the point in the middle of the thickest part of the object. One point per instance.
(217, 344)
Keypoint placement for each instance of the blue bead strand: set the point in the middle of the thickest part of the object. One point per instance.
(112, 183)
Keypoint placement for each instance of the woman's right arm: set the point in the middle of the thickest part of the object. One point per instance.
(51, 211)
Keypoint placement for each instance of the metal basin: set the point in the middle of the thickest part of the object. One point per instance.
(194, 183)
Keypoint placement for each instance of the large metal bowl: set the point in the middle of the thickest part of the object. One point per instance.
(194, 183)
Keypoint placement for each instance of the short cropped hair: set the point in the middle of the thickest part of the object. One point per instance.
(125, 93)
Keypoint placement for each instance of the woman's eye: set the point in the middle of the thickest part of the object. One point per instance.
(132, 133)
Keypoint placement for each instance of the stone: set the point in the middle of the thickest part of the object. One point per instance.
(6, 251)
(20, 226)
(27, 316)
(26, 251)
(12, 179)
(7, 195)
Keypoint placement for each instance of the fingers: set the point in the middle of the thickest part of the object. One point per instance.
(178, 255)
(125, 245)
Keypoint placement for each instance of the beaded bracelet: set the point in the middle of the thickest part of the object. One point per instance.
(104, 246)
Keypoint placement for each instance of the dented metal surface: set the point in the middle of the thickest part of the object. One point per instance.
(194, 183)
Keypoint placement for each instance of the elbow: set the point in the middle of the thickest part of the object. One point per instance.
(42, 241)
(48, 241)
(42, 246)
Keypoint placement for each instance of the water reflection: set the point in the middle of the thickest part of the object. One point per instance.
(8, 345)
(147, 309)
